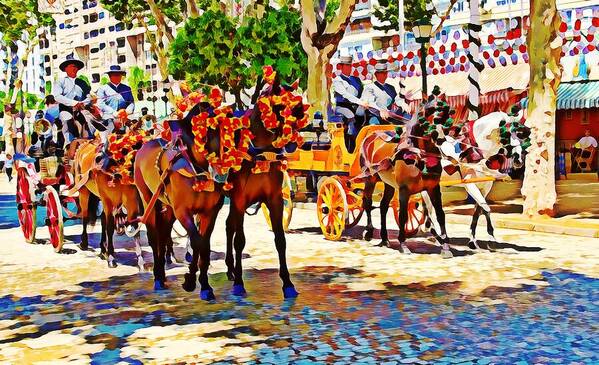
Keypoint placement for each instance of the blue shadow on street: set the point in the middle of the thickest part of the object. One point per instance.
(8, 213)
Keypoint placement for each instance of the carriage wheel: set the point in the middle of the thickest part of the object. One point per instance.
(354, 209)
(332, 208)
(287, 204)
(416, 214)
(26, 208)
(54, 218)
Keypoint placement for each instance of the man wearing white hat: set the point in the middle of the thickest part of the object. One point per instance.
(347, 92)
(112, 98)
(381, 96)
(72, 94)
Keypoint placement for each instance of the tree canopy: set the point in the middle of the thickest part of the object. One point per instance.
(215, 49)
(19, 16)
(388, 12)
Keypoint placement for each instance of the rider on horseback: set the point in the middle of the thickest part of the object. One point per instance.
(72, 95)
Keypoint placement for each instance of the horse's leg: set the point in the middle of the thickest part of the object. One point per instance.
(206, 227)
(157, 250)
(445, 251)
(275, 207)
(404, 197)
(384, 207)
(188, 223)
(472, 239)
(236, 221)
(479, 198)
(110, 225)
(367, 204)
(231, 227)
(103, 235)
(84, 197)
(437, 200)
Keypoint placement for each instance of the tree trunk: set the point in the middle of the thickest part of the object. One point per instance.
(163, 29)
(21, 66)
(544, 46)
(318, 80)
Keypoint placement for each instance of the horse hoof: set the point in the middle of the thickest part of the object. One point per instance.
(103, 256)
(446, 254)
(112, 263)
(207, 294)
(188, 257)
(368, 233)
(405, 250)
(238, 290)
(230, 276)
(83, 247)
(290, 292)
(189, 284)
(384, 243)
(159, 285)
(473, 245)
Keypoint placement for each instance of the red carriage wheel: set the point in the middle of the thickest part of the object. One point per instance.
(354, 209)
(54, 218)
(26, 208)
(416, 215)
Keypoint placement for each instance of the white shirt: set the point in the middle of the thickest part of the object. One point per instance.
(587, 141)
(65, 92)
(109, 101)
(346, 90)
(373, 95)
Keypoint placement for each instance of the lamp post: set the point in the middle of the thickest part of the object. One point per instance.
(422, 32)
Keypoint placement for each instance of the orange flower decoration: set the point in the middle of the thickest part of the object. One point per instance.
(269, 74)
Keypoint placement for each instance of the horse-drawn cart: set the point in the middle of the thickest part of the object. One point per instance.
(331, 171)
(38, 185)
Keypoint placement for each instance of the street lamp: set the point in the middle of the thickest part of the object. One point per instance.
(422, 32)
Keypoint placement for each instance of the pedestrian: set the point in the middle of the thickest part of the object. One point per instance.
(8, 166)
(2, 160)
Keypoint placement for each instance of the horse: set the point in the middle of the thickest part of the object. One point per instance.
(409, 163)
(498, 153)
(166, 173)
(91, 181)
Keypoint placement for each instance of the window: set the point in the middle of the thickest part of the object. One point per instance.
(93, 33)
(48, 71)
(102, 45)
(102, 30)
(61, 26)
(47, 58)
(568, 115)
(94, 50)
(85, 6)
(95, 77)
(85, 35)
(121, 59)
(586, 118)
(119, 26)
(101, 15)
(54, 56)
(93, 17)
(120, 42)
(111, 28)
(85, 19)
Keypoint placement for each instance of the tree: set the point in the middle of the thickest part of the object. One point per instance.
(544, 47)
(152, 12)
(216, 49)
(323, 26)
(138, 80)
(388, 13)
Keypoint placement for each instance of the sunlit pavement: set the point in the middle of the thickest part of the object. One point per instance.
(532, 301)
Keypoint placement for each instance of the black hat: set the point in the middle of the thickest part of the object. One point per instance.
(71, 60)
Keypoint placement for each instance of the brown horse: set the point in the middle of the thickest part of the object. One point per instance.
(410, 166)
(154, 167)
(91, 181)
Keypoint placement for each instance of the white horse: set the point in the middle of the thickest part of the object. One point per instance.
(488, 144)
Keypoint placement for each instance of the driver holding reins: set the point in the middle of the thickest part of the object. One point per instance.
(72, 94)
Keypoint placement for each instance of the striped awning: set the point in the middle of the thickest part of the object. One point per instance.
(578, 95)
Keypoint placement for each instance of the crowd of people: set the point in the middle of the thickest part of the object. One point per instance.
(70, 112)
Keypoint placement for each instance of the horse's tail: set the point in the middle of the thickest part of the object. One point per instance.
(92, 209)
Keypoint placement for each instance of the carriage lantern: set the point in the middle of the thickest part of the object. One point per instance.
(422, 32)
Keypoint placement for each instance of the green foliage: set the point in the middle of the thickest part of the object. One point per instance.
(127, 10)
(31, 101)
(331, 9)
(138, 79)
(213, 50)
(413, 10)
(104, 80)
(18, 16)
(84, 78)
(48, 87)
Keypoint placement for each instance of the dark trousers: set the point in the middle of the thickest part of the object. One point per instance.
(9, 173)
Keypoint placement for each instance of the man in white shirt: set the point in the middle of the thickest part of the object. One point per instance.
(582, 148)
(381, 96)
(72, 95)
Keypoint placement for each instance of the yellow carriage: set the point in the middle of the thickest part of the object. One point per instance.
(329, 170)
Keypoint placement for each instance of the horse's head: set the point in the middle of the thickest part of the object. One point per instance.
(181, 130)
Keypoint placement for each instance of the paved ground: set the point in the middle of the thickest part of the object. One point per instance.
(533, 301)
